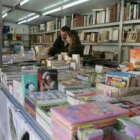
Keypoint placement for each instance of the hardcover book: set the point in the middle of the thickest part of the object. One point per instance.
(47, 97)
(134, 59)
(77, 114)
(80, 92)
(44, 110)
(69, 84)
(47, 79)
(29, 82)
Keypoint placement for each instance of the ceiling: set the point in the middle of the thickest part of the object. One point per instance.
(40, 6)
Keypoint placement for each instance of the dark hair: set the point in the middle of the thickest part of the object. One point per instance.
(65, 29)
(74, 37)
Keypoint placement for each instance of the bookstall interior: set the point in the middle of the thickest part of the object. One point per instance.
(94, 96)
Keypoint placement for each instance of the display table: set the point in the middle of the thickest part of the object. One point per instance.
(15, 120)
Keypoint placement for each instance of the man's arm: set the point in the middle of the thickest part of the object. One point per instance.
(56, 47)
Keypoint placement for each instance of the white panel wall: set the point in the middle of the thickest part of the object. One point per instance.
(19, 29)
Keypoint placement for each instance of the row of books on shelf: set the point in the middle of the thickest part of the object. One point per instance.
(12, 37)
(100, 16)
(111, 35)
(131, 11)
(44, 27)
(45, 38)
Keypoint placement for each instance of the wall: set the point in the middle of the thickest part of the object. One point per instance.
(20, 29)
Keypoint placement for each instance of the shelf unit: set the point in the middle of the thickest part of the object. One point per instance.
(24, 41)
(89, 28)
(101, 43)
(96, 26)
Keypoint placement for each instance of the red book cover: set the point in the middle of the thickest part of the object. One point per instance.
(47, 79)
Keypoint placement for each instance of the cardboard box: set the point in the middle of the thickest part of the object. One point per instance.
(117, 92)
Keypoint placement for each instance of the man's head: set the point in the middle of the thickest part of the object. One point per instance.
(64, 32)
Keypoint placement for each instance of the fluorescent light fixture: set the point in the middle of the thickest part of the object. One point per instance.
(56, 4)
(94, 10)
(22, 22)
(4, 15)
(52, 11)
(74, 3)
(23, 2)
(32, 18)
(25, 17)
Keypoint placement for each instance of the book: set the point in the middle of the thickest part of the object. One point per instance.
(44, 124)
(69, 84)
(44, 110)
(134, 59)
(126, 104)
(46, 97)
(89, 132)
(119, 79)
(47, 79)
(29, 83)
(77, 114)
(40, 98)
(80, 92)
(131, 127)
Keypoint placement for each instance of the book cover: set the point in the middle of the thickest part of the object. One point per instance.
(47, 97)
(80, 92)
(131, 127)
(76, 114)
(47, 79)
(29, 82)
(44, 110)
(69, 84)
(126, 104)
(134, 59)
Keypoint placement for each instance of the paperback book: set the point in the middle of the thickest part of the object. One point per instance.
(47, 79)
(29, 83)
(44, 110)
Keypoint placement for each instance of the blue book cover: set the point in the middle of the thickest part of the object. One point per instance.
(29, 83)
(121, 74)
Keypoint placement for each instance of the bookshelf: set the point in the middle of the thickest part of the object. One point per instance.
(116, 20)
(130, 23)
(15, 38)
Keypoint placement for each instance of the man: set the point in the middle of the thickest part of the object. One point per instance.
(60, 45)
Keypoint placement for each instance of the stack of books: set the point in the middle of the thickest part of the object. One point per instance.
(89, 133)
(66, 84)
(121, 79)
(43, 114)
(66, 120)
(41, 98)
(131, 126)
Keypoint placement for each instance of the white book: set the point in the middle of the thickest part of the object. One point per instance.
(44, 124)
(85, 20)
(94, 18)
(115, 35)
(76, 57)
(135, 11)
(103, 16)
(107, 15)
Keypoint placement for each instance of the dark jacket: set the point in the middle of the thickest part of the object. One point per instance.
(76, 50)
(58, 47)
